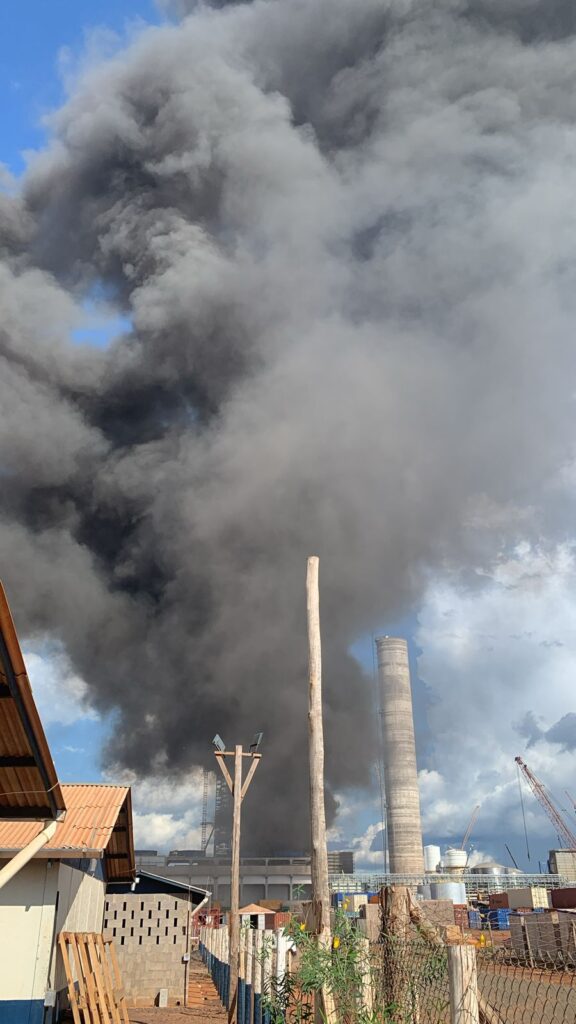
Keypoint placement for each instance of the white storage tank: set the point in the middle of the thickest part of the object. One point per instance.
(455, 861)
(455, 891)
(431, 857)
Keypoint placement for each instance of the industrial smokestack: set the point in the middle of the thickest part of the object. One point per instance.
(400, 774)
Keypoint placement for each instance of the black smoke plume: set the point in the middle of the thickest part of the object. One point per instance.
(342, 233)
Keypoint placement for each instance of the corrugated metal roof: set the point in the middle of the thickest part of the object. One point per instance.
(29, 786)
(98, 821)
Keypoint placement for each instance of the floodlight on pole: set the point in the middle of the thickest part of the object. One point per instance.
(256, 742)
(218, 742)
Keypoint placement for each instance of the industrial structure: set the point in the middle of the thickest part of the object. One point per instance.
(340, 862)
(404, 829)
(222, 820)
(278, 879)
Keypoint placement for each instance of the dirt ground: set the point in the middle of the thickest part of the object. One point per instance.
(179, 1015)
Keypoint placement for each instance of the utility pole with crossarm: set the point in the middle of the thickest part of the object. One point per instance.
(238, 787)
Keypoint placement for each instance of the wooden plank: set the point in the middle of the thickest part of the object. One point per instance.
(112, 993)
(103, 996)
(224, 768)
(63, 944)
(250, 775)
(86, 1012)
(83, 1000)
(121, 1002)
(92, 1008)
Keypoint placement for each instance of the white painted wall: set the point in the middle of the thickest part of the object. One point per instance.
(80, 909)
(26, 926)
(28, 963)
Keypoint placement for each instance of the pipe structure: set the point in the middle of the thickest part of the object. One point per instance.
(27, 852)
(400, 772)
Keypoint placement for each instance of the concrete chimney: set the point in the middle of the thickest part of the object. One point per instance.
(400, 775)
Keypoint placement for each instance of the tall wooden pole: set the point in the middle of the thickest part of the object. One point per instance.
(320, 888)
(234, 923)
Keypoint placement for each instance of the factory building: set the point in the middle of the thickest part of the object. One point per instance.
(563, 862)
(400, 773)
(340, 862)
(281, 879)
(222, 819)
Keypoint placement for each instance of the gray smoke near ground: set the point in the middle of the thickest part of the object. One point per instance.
(344, 234)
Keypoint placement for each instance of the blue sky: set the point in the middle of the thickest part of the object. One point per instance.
(33, 34)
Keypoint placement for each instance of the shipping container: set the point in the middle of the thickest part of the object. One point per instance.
(529, 896)
(498, 900)
(563, 899)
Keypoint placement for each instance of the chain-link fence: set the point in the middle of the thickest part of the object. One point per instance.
(419, 983)
(525, 990)
(411, 982)
(394, 981)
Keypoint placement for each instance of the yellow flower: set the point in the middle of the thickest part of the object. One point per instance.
(335, 942)
(302, 927)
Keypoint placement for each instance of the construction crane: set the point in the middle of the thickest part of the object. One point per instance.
(564, 834)
(471, 824)
(206, 836)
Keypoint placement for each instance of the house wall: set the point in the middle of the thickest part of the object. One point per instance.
(43, 899)
(150, 936)
(27, 906)
(80, 909)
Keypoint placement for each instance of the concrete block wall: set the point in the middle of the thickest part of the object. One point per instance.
(150, 934)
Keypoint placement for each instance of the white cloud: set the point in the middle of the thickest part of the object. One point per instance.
(61, 696)
(490, 656)
(167, 810)
(165, 832)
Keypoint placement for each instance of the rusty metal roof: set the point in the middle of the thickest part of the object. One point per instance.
(98, 823)
(29, 787)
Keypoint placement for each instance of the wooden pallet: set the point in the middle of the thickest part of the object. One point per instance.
(97, 994)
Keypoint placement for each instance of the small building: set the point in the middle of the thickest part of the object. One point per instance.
(152, 922)
(253, 916)
(62, 888)
(59, 846)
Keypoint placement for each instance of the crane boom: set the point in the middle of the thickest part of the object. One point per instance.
(205, 836)
(471, 824)
(541, 795)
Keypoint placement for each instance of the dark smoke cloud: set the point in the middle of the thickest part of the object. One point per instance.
(343, 234)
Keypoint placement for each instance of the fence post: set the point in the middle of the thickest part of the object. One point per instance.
(257, 976)
(267, 976)
(248, 974)
(463, 982)
(241, 988)
(367, 995)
